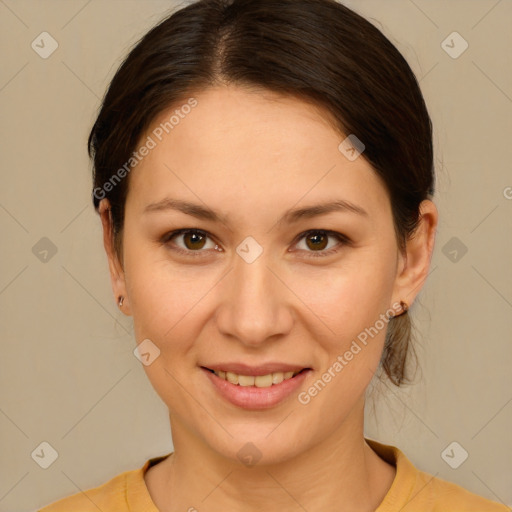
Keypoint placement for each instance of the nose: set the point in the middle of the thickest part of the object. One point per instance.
(255, 305)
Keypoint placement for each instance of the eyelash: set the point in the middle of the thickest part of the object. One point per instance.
(312, 254)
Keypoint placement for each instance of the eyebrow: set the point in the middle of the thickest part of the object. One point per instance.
(290, 216)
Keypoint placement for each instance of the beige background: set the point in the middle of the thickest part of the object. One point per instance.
(68, 373)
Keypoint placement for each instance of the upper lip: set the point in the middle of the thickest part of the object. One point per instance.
(261, 369)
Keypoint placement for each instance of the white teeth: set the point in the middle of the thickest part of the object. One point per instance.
(231, 377)
(260, 381)
(245, 380)
(263, 381)
(277, 378)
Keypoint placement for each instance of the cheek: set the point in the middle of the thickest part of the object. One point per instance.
(350, 296)
(166, 308)
(159, 296)
(170, 306)
(351, 302)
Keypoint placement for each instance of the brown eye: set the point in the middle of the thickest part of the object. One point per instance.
(193, 240)
(316, 242)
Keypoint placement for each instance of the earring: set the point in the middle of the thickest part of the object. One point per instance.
(120, 301)
(405, 308)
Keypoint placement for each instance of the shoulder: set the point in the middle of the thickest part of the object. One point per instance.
(124, 493)
(109, 496)
(440, 495)
(414, 490)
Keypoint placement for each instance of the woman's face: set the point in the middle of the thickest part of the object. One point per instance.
(261, 287)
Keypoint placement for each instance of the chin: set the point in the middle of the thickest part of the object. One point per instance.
(258, 443)
(256, 452)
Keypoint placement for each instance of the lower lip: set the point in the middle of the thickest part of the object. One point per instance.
(251, 397)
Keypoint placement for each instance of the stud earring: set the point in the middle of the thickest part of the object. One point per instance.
(120, 301)
(405, 308)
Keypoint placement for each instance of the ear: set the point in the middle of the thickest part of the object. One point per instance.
(414, 264)
(117, 277)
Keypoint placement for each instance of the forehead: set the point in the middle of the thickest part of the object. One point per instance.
(252, 149)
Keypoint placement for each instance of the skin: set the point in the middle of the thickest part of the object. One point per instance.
(252, 155)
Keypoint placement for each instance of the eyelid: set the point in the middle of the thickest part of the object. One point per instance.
(343, 240)
(173, 234)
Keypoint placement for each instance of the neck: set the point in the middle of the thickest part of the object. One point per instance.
(340, 473)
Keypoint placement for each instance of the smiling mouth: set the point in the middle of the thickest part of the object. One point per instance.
(259, 381)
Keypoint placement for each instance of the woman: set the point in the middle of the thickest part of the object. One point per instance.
(263, 171)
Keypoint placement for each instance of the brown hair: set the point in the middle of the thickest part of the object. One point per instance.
(316, 50)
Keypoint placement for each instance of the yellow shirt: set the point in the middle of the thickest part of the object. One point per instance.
(412, 491)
